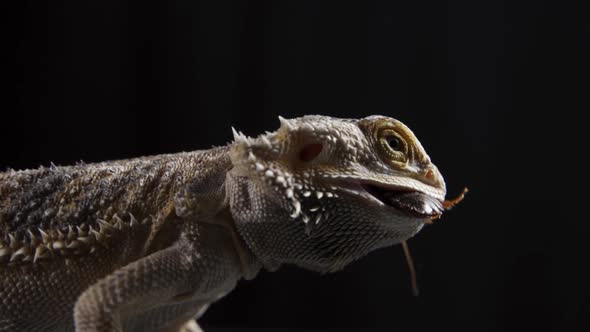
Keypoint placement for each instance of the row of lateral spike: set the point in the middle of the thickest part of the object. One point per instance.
(72, 241)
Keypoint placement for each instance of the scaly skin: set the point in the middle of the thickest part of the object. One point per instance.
(147, 244)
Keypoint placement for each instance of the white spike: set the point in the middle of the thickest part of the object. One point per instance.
(269, 173)
(306, 193)
(307, 127)
(286, 123)
(71, 233)
(73, 245)
(13, 241)
(23, 251)
(259, 167)
(281, 180)
(39, 253)
(319, 194)
(289, 192)
(238, 136)
(97, 235)
(314, 209)
(104, 226)
(81, 231)
(251, 156)
(118, 222)
(44, 236)
(104, 223)
(329, 194)
(85, 239)
(305, 219)
(32, 236)
(317, 218)
(266, 141)
(297, 211)
(133, 221)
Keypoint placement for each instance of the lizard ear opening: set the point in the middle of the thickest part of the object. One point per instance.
(310, 152)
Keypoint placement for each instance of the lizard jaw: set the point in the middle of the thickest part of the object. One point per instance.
(409, 201)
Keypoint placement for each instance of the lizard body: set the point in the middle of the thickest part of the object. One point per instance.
(147, 244)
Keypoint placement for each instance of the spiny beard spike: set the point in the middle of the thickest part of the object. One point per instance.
(239, 137)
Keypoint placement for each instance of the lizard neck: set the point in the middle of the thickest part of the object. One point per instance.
(250, 265)
(202, 203)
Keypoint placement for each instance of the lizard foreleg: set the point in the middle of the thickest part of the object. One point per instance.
(130, 289)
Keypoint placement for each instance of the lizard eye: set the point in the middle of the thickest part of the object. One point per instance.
(393, 146)
(394, 143)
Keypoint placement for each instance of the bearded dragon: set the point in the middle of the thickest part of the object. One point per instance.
(147, 244)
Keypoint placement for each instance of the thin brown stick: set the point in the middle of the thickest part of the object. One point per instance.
(414, 281)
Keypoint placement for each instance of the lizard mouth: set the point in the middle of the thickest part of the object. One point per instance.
(410, 202)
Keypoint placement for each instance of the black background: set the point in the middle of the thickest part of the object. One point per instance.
(490, 88)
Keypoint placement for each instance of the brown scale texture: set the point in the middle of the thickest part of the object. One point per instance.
(42, 296)
(35, 299)
(57, 197)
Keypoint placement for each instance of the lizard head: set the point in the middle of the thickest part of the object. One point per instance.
(321, 192)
